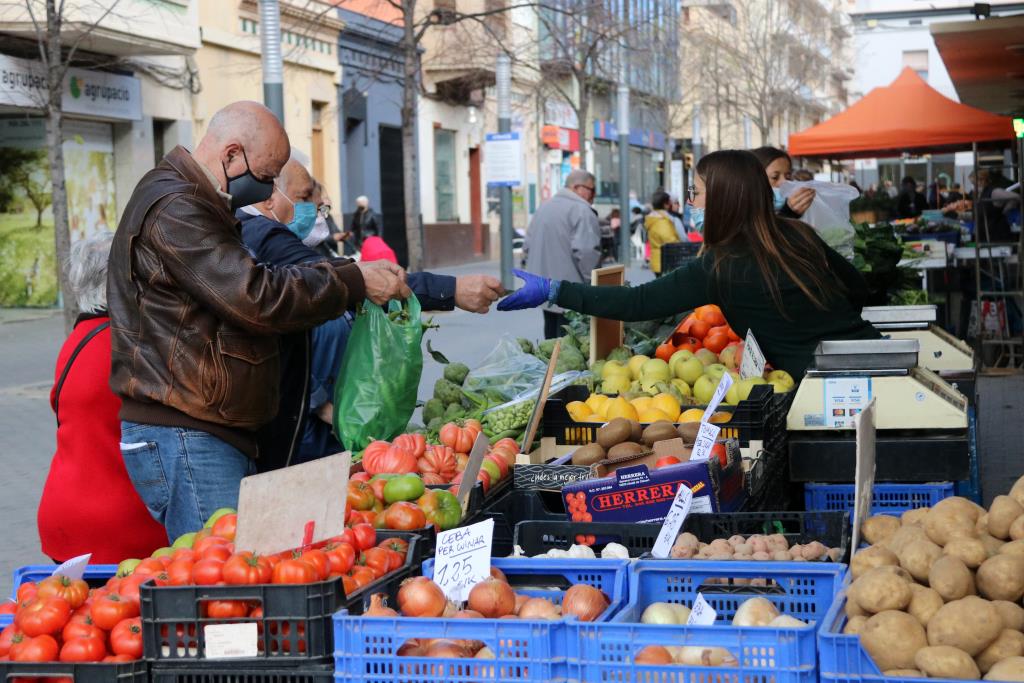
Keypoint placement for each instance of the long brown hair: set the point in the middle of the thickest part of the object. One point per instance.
(739, 213)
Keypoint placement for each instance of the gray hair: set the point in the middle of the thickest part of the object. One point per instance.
(578, 177)
(87, 271)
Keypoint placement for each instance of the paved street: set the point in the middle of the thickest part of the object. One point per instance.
(31, 339)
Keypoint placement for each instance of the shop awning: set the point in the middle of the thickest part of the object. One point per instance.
(907, 115)
(985, 60)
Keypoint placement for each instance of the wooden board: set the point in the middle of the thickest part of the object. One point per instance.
(606, 335)
(274, 508)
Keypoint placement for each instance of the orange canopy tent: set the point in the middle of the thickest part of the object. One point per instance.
(906, 116)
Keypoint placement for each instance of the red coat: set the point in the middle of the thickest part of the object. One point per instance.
(89, 504)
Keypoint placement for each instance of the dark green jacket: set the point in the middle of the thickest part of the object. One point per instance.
(787, 340)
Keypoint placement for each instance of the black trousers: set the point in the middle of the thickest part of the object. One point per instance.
(553, 323)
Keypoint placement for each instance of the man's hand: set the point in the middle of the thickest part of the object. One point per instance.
(384, 281)
(476, 293)
(800, 200)
(326, 413)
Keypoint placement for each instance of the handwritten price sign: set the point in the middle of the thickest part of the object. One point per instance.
(462, 558)
(673, 521)
(705, 441)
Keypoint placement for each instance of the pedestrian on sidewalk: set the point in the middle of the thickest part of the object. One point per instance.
(661, 230)
(89, 504)
(195, 319)
(564, 240)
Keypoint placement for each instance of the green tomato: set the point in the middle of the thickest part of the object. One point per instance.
(441, 508)
(184, 541)
(163, 552)
(127, 567)
(492, 469)
(217, 514)
(404, 487)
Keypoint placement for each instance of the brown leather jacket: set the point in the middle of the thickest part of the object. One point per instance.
(194, 319)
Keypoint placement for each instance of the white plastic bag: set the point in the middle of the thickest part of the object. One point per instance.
(829, 213)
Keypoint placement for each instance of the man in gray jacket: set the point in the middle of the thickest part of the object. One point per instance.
(564, 240)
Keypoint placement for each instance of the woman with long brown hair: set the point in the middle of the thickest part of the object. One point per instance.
(768, 274)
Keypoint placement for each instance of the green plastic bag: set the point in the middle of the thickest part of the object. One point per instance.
(375, 394)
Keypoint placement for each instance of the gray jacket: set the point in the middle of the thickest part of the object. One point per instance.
(564, 239)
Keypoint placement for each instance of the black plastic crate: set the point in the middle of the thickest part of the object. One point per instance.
(227, 671)
(122, 672)
(296, 622)
(515, 506)
(831, 528)
(676, 254)
(536, 537)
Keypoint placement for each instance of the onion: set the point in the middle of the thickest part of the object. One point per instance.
(755, 612)
(421, 597)
(492, 598)
(411, 648)
(660, 613)
(786, 621)
(467, 614)
(448, 649)
(539, 608)
(377, 607)
(520, 601)
(485, 653)
(653, 654)
(584, 602)
(702, 656)
(498, 574)
(450, 610)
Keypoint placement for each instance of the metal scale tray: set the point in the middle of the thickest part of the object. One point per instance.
(866, 354)
(888, 316)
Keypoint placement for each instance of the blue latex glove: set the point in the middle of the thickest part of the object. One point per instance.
(533, 293)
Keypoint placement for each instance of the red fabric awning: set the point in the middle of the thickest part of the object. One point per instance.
(906, 116)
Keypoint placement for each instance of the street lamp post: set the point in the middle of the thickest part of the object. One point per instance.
(273, 70)
(503, 78)
(623, 129)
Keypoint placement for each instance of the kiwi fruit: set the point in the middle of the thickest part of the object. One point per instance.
(659, 431)
(688, 432)
(638, 431)
(588, 455)
(615, 432)
(625, 450)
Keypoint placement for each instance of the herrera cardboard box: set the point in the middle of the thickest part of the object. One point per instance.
(637, 492)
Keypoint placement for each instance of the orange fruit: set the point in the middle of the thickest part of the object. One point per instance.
(716, 342)
(699, 329)
(710, 314)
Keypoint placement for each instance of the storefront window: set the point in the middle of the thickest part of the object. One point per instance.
(444, 174)
(606, 170)
(644, 173)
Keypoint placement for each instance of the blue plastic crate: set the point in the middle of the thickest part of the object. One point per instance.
(95, 574)
(601, 653)
(889, 499)
(525, 650)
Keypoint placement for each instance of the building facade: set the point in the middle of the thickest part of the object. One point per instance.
(127, 99)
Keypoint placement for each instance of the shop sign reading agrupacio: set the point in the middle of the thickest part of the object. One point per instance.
(86, 92)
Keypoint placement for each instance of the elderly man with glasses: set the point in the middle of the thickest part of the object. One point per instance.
(563, 241)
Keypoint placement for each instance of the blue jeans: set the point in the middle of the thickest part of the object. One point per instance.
(182, 475)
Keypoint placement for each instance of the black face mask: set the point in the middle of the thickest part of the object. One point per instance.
(245, 188)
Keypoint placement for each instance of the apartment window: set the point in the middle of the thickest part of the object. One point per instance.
(444, 174)
(918, 61)
(249, 26)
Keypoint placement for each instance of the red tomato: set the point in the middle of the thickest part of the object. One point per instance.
(414, 443)
(217, 552)
(360, 476)
(723, 455)
(75, 591)
(388, 459)
(7, 638)
(111, 609)
(349, 584)
(377, 486)
(118, 659)
(294, 571)
(395, 559)
(362, 517)
(225, 526)
(404, 516)
(345, 536)
(179, 572)
(362, 576)
(399, 545)
(150, 565)
(365, 536)
(341, 557)
(42, 648)
(201, 545)
(79, 625)
(42, 615)
(500, 461)
(225, 609)
(8, 607)
(376, 559)
(86, 646)
(667, 461)
(459, 439)
(26, 591)
(184, 554)
(319, 560)
(246, 568)
(129, 589)
(126, 638)
(360, 495)
(208, 572)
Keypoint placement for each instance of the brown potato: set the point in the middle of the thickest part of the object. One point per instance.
(960, 506)
(1017, 491)
(871, 557)
(945, 524)
(924, 603)
(1011, 613)
(917, 557)
(943, 661)
(1002, 578)
(903, 536)
(992, 544)
(892, 638)
(1012, 548)
(877, 528)
(1001, 514)
(854, 625)
(914, 516)
(880, 590)
(1011, 669)
(951, 578)
(982, 524)
(970, 551)
(903, 673)
(1017, 529)
(853, 609)
(971, 624)
(1010, 643)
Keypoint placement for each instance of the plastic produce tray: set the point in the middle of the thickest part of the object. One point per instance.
(604, 652)
(297, 618)
(533, 650)
(517, 505)
(536, 537)
(831, 528)
(228, 671)
(125, 672)
(95, 575)
(889, 499)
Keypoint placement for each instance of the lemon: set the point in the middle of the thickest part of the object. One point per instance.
(620, 407)
(654, 415)
(691, 415)
(667, 404)
(642, 403)
(593, 418)
(578, 410)
(597, 403)
(721, 417)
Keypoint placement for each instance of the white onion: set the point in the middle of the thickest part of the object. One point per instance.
(660, 613)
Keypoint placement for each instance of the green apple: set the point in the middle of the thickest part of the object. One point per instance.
(782, 381)
(732, 397)
(689, 370)
(704, 389)
(715, 371)
(163, 552)
(184, 541)
(706, 356)
(731, 356)
(655, 370)
(745, 386)
(616, 384)
(217, 514)
(127, 567)
(635, 364)
(682, 387)
(613, 367)
(678, 357)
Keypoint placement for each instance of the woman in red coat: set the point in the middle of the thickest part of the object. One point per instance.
(89, 504)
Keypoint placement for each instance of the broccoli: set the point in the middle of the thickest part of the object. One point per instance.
(435, 424)
(447, 392)
(455, 411)
(570, 358)
(456, 373)
(545, 348)
(526, 345)
(433, 408)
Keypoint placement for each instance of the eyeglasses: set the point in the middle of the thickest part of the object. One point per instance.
(324, 210)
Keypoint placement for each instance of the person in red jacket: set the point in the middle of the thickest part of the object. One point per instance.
(89, 504)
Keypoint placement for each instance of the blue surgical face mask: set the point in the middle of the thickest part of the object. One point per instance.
(304, 217)
(778, 200)
(697, 214)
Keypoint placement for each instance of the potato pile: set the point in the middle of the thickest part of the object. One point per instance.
(757, 547)
(938, 591)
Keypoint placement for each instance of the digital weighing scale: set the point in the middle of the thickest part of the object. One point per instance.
(921, 420)
(939, 351)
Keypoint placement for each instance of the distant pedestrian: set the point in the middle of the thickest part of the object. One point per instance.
(365, 223)
(661, 230)
(890, 189)
(564, 240)
(779, 167)
(89, 504)
(911, 202)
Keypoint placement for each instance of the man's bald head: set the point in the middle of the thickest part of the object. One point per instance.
(244, 135)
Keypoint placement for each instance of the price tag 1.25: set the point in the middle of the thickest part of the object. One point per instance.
(462, 558)
(753, 362)
(723, 387)
(673, 521)
(705, 441)
(702, 613)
